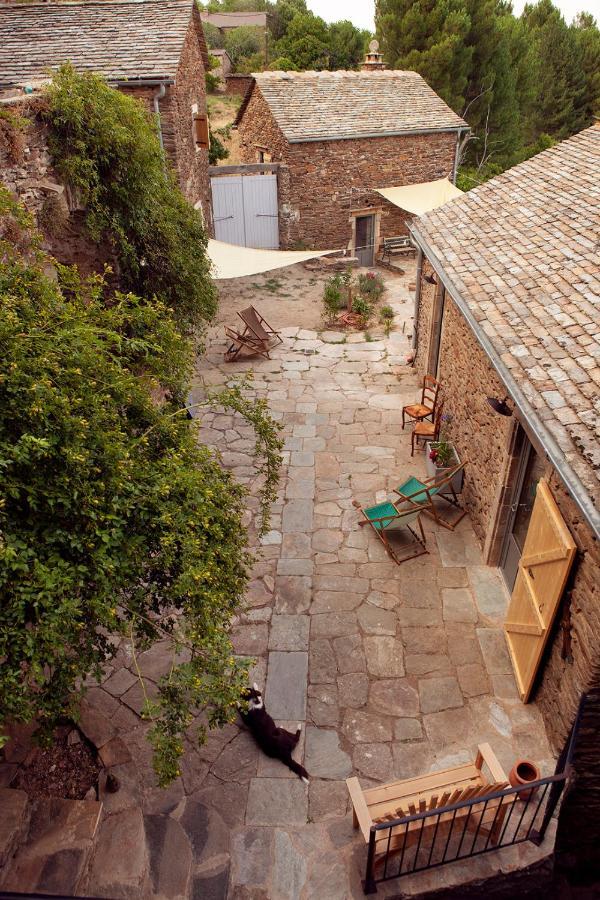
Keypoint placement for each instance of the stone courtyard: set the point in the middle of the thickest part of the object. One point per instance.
(392, 671)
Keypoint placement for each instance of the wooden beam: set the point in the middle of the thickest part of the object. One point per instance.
(249, 169)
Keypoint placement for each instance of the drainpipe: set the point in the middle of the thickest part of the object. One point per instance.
(417, 294)
(159, 93)
(455, 167)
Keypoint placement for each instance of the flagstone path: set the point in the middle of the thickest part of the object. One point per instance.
(392, 671)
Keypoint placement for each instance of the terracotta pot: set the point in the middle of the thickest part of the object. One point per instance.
(523, 772)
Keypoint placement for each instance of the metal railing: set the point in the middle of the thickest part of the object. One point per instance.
(436, 837)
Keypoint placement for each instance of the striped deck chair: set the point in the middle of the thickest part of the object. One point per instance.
(424, 492)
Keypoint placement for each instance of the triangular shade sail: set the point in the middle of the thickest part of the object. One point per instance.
(232, 261)
(421, 198)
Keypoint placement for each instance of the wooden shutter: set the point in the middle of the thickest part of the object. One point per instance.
(201, 135)
(544, 567)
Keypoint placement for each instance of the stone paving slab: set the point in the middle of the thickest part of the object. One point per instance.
(285, 694)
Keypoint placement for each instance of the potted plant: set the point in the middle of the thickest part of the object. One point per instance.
(441, 457)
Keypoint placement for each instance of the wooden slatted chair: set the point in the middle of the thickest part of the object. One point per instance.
(389, 517)
(430, 792)
(423, 492)
(426, 408)
(427, 431)
(257, 336)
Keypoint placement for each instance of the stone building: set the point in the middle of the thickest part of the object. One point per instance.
(153, 50)
(337, 137)
(223, 69)
(507, 308)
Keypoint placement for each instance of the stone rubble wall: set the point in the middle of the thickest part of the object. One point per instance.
(327, 180)
(237, 84)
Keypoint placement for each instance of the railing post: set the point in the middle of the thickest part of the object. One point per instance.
(563, 766)
(369, 885)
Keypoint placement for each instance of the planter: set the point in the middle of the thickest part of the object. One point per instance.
(524, 772)
(440, 472)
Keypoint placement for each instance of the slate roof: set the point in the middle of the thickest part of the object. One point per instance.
(334, 105)
(523, 252)
(119, 40)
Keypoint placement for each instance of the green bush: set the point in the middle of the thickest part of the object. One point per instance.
(105, 145)
(333, 299)
(114, 520)
(371, 285)
(363, 308)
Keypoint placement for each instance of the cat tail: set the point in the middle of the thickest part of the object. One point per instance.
(298, 769)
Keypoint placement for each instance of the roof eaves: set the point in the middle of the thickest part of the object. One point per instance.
(573, 483)
(375, 134)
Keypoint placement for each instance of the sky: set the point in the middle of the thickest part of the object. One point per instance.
(360, 12)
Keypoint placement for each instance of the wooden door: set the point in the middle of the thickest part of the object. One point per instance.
(365, 238)
(548, 555)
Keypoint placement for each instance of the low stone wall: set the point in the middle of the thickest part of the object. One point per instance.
(237, 84)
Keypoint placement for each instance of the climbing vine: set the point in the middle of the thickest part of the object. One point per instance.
(115, 522)
(105, 145)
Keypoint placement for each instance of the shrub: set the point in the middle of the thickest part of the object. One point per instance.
(333, 300)
(105, 145)
(371, 285)
(386, 317)
(363, 308)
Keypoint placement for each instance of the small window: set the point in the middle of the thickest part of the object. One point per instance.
(263, 155)
(201, 134)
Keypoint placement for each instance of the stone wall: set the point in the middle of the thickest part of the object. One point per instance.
(571, 664)
(327, 180)
(237, 84)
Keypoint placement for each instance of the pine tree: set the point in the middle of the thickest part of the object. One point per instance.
(587, 36)
(429, 37)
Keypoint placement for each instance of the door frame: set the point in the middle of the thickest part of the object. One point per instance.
(518, 480)
(358, 214)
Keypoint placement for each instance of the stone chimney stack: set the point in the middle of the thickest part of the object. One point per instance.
(373, 61)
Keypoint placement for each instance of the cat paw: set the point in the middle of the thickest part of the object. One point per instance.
(305, 780)
(299, 726)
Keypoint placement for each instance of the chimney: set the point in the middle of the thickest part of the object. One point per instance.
(374, 59)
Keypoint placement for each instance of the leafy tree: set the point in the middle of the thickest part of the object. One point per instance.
(347, 45)
(305, 42)
(242, 42)
(429, 37)
(104, 144)
(215, 39)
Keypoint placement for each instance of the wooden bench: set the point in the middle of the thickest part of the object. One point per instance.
(395, 246)
(430, 792)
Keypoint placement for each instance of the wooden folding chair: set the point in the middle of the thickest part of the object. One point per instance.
(244, 340)
(389, 517)
(423, 493)
(259, 327)
(429, 397)
(427, 431)
(437, 790)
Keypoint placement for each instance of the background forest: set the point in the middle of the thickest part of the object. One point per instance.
(521, 82)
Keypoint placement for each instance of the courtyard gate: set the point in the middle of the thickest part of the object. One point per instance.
(544, 566)
(245, 210)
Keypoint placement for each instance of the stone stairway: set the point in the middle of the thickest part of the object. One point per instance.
(46, 844)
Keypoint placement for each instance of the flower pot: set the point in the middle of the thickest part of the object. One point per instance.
(440, 472)
(524, 772)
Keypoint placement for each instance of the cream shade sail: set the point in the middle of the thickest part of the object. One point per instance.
(421, 198)
(232, 261)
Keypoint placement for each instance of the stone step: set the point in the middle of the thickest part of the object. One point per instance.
(14, 823)
(53, 855)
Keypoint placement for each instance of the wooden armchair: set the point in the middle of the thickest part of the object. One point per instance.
(432, 792)
(426, 408)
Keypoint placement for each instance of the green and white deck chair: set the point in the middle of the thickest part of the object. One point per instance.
(389, 517)
(423, 493)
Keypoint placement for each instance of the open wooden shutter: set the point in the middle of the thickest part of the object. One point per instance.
(201, 131)
(544, 567)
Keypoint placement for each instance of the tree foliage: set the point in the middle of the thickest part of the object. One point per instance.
(516, 80)
(104, 144)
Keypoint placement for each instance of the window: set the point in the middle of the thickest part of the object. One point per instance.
(263, 155)
(201, 132)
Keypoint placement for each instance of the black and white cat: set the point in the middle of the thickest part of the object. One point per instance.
(275, 742)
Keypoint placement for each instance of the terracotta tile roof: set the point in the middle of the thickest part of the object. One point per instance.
(119, 40)
(334, 105)
(523, 251)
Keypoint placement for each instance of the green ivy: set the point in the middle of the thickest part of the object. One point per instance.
(114, 520)
(105, 145)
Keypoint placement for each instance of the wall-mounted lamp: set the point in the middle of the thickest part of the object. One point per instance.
(500, 406)
(430, 278)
